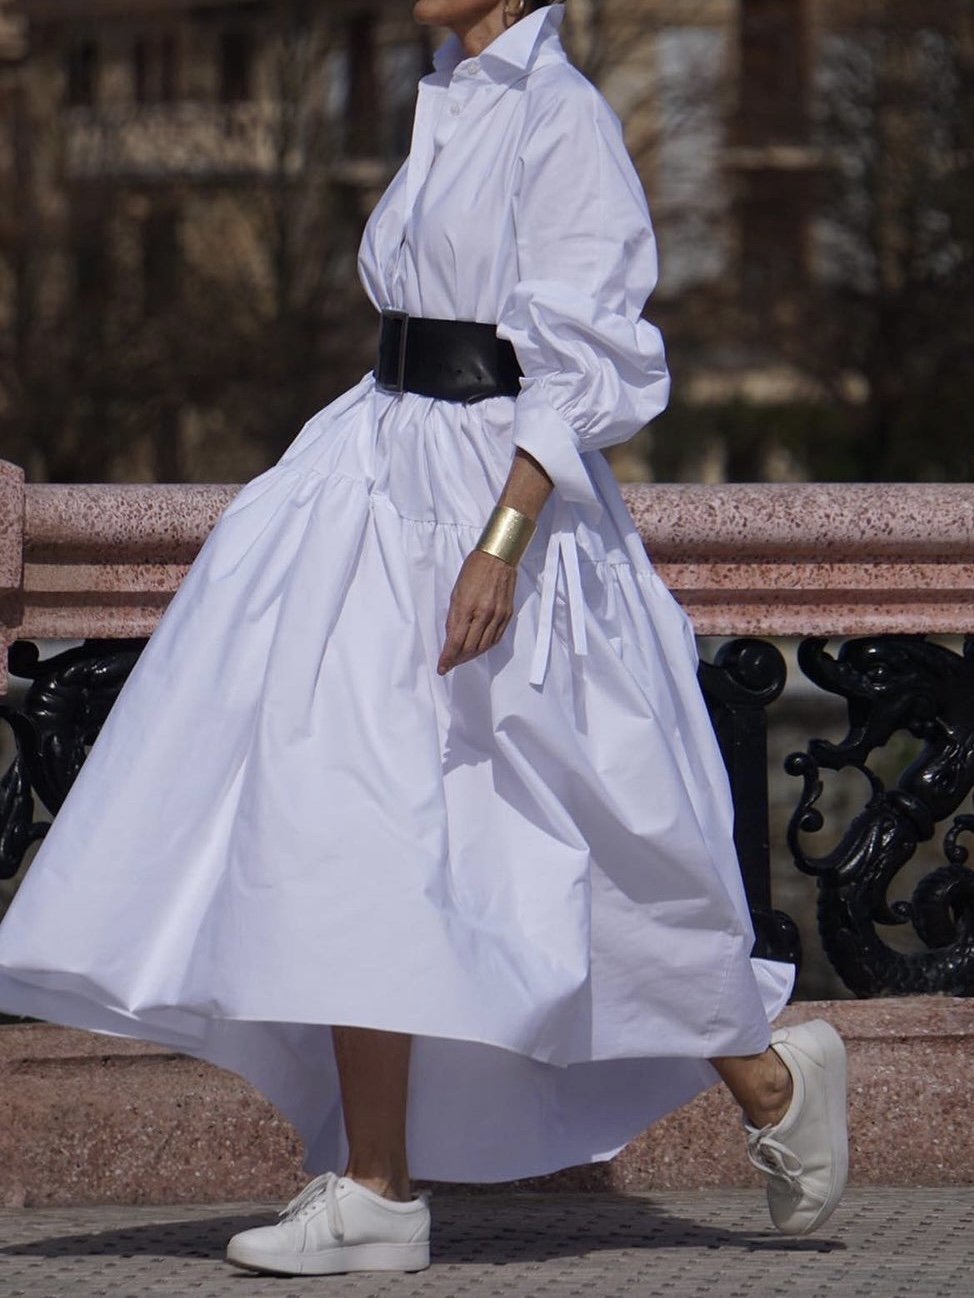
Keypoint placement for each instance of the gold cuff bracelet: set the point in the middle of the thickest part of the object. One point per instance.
(507, 534)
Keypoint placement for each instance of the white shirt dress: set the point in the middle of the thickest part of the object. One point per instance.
(290, 820)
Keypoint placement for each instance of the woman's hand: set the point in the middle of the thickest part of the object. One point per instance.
(482, 602)
(481, 605)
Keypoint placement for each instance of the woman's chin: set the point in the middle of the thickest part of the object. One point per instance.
(446, 13)
(427, 11)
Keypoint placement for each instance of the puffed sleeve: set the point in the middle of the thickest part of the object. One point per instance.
(594, 370)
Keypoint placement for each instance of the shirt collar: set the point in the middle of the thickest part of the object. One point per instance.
(509, 55)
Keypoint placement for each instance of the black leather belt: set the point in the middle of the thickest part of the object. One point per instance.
(458, 360)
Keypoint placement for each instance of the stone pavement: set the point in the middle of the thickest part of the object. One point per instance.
(881, 1243)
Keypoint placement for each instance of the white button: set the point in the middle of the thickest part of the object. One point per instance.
(455, 110)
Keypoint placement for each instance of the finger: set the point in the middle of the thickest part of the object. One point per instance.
(457, 627)
(457, 619)
(466, 641)
(492, 632)
(475, 629)
(475, 644)
(448, 655)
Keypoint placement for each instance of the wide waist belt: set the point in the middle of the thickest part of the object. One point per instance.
(458, 360)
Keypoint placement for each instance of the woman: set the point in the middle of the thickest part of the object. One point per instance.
(473, 822)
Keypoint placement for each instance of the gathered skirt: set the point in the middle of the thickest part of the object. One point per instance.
(289, 820)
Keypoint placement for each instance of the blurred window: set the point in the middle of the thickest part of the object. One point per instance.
(236, 66)
(160, 260)
(683, 156)
(167, 68)
(140, 71)
(402, 66)
(378, 86)
(363, 103)
(82, 72)
(154, 69)
(773, 72)
(336, 93)
(91, 263)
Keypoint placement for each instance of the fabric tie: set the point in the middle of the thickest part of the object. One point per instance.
(562, 552)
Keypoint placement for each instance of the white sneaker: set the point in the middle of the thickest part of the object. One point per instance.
(806, 1155)
(335, 1225)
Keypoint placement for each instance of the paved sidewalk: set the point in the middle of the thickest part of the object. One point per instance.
(880, 1244)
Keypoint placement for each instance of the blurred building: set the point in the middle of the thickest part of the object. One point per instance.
(179, 146)
(12, 45)
(13, 181)
(202, 92)
(807, 163)
(188, 179)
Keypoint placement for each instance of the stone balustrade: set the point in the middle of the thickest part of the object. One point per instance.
(784, 559)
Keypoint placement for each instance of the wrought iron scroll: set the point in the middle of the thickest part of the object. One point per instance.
(894, 684)
(70, 695)
(745, 677)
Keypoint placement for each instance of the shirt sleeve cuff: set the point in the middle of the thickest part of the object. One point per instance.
(541, 431)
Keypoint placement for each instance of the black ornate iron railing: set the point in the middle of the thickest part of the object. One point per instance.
(744, 679)
(894, 684)
(891, 685)
(69, 698)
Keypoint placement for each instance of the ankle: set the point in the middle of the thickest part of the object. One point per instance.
(393, 1186)
(772, 1096)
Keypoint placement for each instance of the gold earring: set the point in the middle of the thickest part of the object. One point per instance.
(511, 16)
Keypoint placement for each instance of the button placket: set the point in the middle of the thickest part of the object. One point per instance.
(463, 85)
(436, 122)
(458, 99)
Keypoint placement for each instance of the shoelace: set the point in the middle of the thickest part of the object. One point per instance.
(772, 1157)
(324, 1186)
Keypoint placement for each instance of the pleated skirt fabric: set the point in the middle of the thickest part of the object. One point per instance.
(290, 821)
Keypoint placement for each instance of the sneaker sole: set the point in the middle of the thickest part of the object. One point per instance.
(833, 1053)
(334, 1261)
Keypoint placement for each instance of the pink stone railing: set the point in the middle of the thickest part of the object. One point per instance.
(797, 559)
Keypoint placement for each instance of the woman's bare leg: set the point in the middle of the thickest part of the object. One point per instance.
(761, 1084)
(373, 1069)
